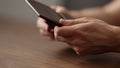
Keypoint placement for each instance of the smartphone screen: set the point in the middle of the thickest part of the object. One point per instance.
(45, 12)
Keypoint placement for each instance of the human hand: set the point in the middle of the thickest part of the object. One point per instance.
(61, 9)
(86, 35)
(47, 30)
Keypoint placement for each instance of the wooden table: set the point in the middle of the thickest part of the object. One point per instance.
(21, 46)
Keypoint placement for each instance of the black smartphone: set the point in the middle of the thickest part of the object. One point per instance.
(47, 13)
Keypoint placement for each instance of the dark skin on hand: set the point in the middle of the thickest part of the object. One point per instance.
(94, 31)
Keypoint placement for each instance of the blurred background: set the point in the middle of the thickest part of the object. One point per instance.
(20, 10)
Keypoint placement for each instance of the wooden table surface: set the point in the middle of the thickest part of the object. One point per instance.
(21, 46)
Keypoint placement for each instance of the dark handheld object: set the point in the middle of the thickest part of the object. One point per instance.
(47, 13)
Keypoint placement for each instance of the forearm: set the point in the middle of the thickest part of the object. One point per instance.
(97, 12)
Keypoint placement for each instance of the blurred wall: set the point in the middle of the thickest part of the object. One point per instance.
(81, 4)
(19, 9)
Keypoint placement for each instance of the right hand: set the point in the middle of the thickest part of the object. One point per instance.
(88, 35)
(44, 28)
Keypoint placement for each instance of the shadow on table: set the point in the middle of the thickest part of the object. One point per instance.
(108, 60)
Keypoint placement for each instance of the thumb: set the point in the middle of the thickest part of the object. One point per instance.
(75, 21)
(68, 22)
(65, 31)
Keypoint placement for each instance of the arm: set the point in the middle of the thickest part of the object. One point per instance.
(109, 13)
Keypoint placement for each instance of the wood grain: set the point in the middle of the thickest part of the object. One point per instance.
(21, 46)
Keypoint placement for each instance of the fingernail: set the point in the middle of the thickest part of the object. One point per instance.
(62, 20)
(76, 50)
(77, 53)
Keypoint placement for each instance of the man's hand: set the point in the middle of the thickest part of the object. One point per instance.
(47, 30)
(61, 9)
(86, 35)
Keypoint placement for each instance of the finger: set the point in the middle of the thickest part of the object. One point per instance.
(65, 31)
(41, 23)
(66, 38)
(53, 7)
(44, 33)
(61, 39)
(41, 20)
(47, 34)
(58, 9)
(68, 22)
(76, 49)
(74, 21)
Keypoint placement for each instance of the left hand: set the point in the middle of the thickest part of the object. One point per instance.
(61, 9)
(86, 35)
